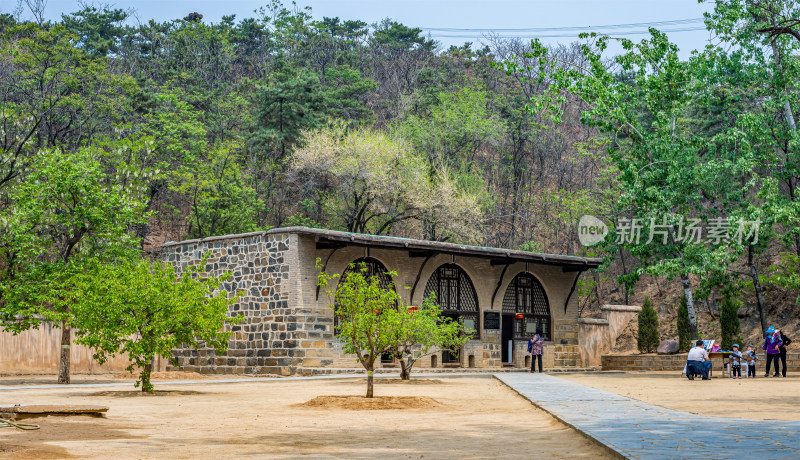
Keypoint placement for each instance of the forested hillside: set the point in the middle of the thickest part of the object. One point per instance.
(119, 135)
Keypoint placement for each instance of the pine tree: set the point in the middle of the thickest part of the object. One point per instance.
(647, 340)
(684, 327)
(729, 318)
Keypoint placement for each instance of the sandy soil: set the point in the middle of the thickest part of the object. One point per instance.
(760, 398)
(464, 418)
(117, 377)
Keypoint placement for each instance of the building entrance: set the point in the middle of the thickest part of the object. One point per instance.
(506, 337)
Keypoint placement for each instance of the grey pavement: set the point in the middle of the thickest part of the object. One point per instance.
(634, 429)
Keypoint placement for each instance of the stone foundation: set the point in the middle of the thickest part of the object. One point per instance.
(677, 362)
(598, 335)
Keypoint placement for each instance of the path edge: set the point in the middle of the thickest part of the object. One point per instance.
(614, 452)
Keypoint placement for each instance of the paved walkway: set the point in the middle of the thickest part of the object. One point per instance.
(634, 429)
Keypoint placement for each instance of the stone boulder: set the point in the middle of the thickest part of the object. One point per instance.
(667, 347)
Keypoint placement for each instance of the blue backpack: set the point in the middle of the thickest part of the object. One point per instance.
(530, 345)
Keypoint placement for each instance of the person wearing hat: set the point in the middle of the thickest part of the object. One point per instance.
(772, 345)
(736, 362)
(785, 341)
(751, 357)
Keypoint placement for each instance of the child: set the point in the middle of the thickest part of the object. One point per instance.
(751, 358)
(736, 362)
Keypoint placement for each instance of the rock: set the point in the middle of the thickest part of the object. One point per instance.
(667, 347)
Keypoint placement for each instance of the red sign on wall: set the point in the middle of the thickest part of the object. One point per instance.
(519, 315)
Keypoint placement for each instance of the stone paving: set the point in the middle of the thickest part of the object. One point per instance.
(634, 429)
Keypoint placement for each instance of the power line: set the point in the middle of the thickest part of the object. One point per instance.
(575, 35)
(570, 28)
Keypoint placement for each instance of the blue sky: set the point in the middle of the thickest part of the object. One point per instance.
(454, 14)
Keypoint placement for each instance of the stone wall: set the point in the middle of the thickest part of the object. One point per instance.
(678, 361)
(598, 335)
(259, 265)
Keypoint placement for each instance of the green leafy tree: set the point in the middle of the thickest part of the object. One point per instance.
(639, 108)
(54, 95)
(345, 94)
(456, 128)
(367, 326)
(422, 331)
(143, 309)
(65, 212)
(647, 338)
(99, 30)
(729, 317)
(684, 327)
(219, 192)
(290, 102)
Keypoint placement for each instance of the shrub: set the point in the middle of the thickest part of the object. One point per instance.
(647, 340)
(729, 317)
(684, 327)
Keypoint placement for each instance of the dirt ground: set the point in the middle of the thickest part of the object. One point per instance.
(453, 418)
(760, 398)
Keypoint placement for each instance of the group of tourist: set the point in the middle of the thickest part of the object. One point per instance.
(774, 345)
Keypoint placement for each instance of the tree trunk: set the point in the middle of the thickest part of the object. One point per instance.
(145, 377)
(63, 366)
(370, 378)
(762, 308)
(687, 291)
(405, 369)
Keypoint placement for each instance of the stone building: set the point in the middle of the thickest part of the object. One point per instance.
(503, 294)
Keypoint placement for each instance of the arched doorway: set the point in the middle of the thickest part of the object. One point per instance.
(374, 268)
(456, 295)
(525, 308)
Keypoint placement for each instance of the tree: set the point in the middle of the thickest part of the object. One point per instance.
(374, 181)
(99, 30)
(219, 194)
(729, 317)
(142, 309)
(457, 127)
(292, 101)
(647, 340)
(66, 212)
(367, 326)
(684, 327)
(422, 331)
(52, 95)
(638, 106)
(345, 94)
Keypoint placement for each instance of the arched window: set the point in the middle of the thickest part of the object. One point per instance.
(526, 296)
(455, 294)
(374, 268)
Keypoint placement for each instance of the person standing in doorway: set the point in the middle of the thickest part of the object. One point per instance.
(536, 346)
(772, 345)
(785, 341)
